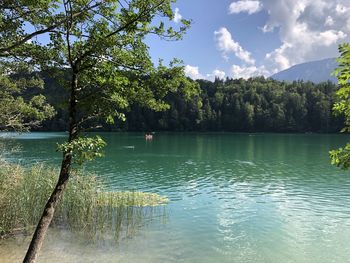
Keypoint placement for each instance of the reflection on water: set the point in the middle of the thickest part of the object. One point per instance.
(234, 198)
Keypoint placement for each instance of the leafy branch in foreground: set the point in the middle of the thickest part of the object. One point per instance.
(83, 148)
(341, 156)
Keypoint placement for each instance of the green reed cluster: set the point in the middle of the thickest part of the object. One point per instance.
(86, 207)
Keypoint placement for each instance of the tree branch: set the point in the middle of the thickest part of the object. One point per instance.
(131, 22)
(4, 51)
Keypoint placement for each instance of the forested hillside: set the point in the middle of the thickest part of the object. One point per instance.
(237, 105)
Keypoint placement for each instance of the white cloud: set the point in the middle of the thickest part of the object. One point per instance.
(248, 72)
(193, 72)
(308, 29)
(341, 9)
(219, 74)
(281, 61)
(216, 74)
(267, 28)
(330, 37)
(177, 15)
(348, 25)
(329, 21)
(226, 44)
(247, 6)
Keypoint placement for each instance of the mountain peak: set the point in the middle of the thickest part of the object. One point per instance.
(315, 71)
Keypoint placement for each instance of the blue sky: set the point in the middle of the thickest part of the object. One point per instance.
(244, 38)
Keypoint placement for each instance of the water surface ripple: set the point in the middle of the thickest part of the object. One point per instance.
(265, 198)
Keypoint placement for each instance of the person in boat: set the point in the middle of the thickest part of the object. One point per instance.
(148, 136)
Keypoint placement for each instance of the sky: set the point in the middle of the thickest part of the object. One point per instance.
(247, 38)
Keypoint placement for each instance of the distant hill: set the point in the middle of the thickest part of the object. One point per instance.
(315, 71)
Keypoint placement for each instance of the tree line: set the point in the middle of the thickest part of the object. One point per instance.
(234, 105)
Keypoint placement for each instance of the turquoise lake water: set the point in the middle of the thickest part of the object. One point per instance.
(266, 198)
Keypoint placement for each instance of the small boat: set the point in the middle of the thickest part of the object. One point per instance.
(148, 136)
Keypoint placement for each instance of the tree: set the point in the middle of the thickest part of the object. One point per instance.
(96, 51)
(341, 156)
(19, 113)
(18, 75)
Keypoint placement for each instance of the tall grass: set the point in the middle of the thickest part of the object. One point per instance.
(85, 208)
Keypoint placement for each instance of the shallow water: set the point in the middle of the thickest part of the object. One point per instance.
(234, 198)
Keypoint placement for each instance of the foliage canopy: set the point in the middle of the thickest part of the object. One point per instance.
(18, 73)
(341, 156)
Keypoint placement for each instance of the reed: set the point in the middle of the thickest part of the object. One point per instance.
(86, 207)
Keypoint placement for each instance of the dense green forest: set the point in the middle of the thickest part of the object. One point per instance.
(235, 105)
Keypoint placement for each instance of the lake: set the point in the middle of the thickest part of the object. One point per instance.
(266, 198)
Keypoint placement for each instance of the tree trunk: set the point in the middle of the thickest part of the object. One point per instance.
(49, 210)
(48, 213)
